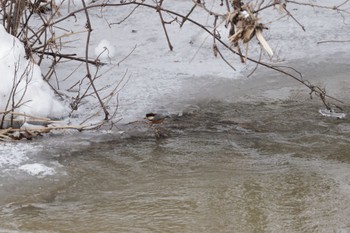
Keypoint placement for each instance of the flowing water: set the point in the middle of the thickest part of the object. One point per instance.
(224, 167)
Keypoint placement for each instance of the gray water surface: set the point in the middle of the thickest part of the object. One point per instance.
(226, 167)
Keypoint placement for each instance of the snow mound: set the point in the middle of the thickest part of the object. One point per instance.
(22, 85)
(104, 50)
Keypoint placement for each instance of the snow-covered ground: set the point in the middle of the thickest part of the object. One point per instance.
(162, 80)
(155, 78)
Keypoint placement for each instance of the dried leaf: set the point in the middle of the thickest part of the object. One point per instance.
(263, 42)
(248, 33)
(236, 37)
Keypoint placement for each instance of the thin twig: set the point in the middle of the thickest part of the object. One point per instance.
(257, 64)
(126, 17)
(188, 15)
(333, 41)
(290, 14)
(88, 25)
(72, 57)
(159, 10)
(216, 49)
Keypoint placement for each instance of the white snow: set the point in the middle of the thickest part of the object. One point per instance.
(20, 156)
(37, 169)
(332, 113)
(104, 50)
(21, 76)
(12, 156)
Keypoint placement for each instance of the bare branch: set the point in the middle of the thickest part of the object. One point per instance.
(88, 26)
(159, 10)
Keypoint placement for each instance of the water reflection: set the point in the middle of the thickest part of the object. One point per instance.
(246, 169)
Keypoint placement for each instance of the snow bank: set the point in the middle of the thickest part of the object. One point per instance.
(22, 85)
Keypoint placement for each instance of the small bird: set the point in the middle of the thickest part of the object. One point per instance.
(155, 118)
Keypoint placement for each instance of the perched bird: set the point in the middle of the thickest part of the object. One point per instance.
(155, 118)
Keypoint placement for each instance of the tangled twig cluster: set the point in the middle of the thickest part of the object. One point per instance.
(244, 25)
(36, 25)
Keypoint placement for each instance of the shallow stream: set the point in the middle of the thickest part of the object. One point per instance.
(225, 167)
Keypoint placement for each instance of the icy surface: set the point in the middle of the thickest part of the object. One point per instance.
(11, 155)
(158, 79)
(37, 169)
(14, 156)
(332, 113)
